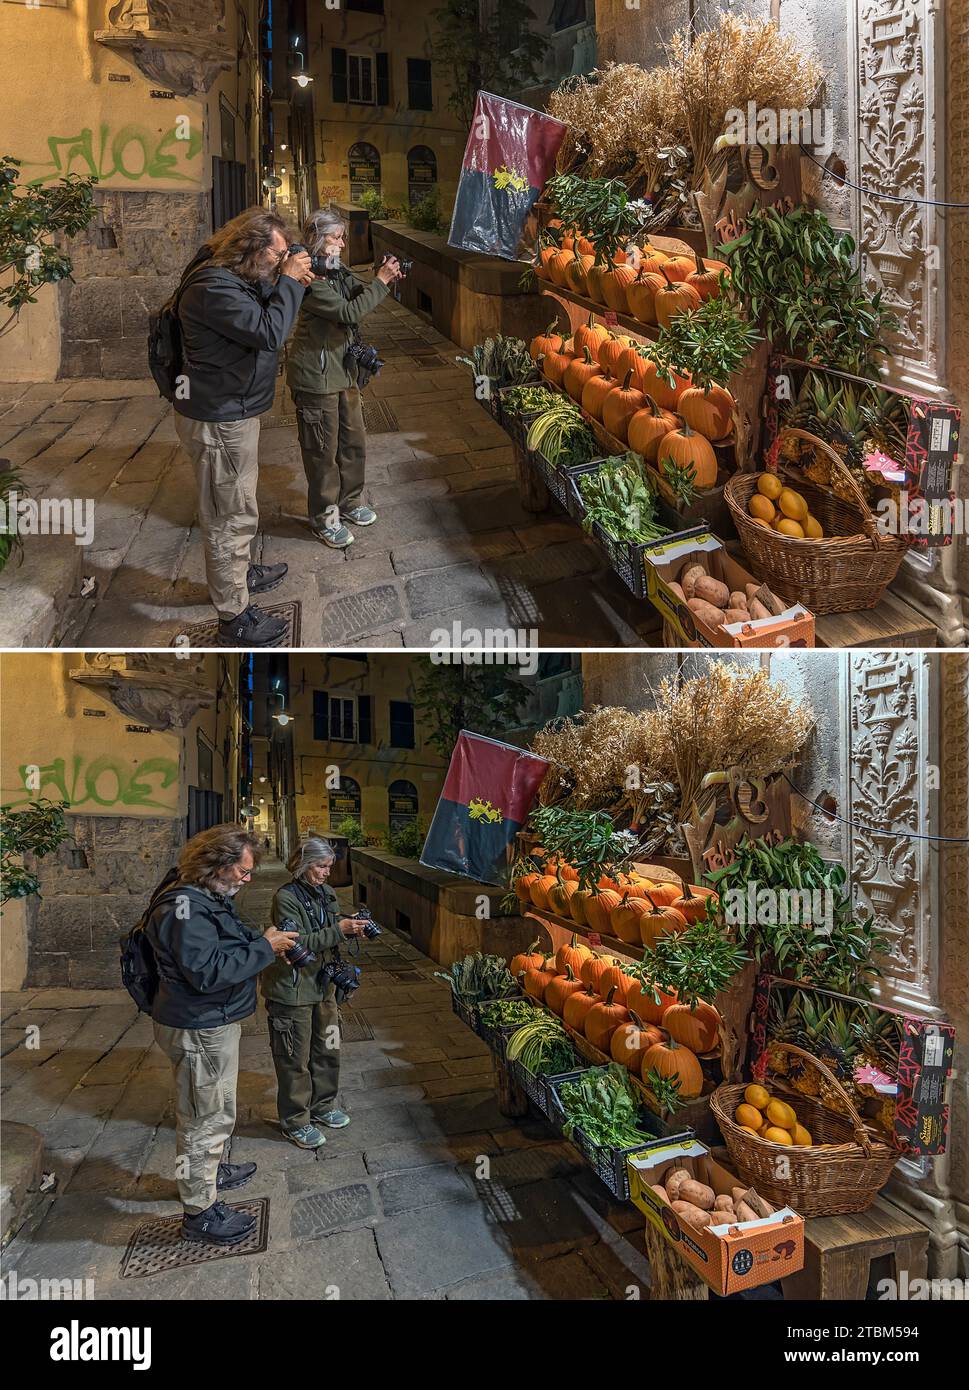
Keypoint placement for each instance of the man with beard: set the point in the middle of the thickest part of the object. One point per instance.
(236, 305)
(208, 960)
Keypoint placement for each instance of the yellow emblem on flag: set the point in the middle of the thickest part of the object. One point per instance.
(507, 178)
(483, 810)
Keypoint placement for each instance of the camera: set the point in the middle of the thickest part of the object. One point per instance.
(298, 956)
(343, 977)
(318, 263)
(368, 360)
(405, 266)
(370, 928)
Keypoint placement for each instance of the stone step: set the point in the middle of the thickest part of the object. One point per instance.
(21, 1157)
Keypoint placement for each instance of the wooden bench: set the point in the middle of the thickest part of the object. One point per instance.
(838, 1252)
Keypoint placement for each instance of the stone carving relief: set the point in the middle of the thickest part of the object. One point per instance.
(180, 44)
(887, 761)
(161, 692)
(895, 132)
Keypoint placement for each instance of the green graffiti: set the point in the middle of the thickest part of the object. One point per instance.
(105, 781)
(134, 152)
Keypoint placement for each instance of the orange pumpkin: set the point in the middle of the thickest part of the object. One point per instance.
(632, 359)
(709, 411)
(611, 348)
(523, 886)
(690, 450)
(676, 297)
(624, 919)
(631, 1041)
(641, 295)
(614, 285)
(554, 365)
(615, 977)
(705, 277)
(583, 246)
(575, 275)
(665, 395)
(539, 890)
(678, 267)
(579, 371)
(648, 427)
(541, 265)
(696, 1027)
(558, 266)
(571, 957)
(594, 394)
(594, 968)
(665, 894)
(577, 905)
(560, 896)
(598, 908)
(640, 997)
(549, 341)
(526, 960)
(670, 1059)
(590, 335)
(603, 1019)
(537, 981)
(620, 406)
(578, 1005)
(594, 277)
(660, 921)
(693, 903)
(559, 990)
(651, 263)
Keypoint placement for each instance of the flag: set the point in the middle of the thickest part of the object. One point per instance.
(510, 153)
(486, 798)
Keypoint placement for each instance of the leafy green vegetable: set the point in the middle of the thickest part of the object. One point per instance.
(526, 400)
(479, 977)
(501, 1012)
(561, 435)
(695, 964)
(617, 496)
(505, 361)
(587, 840)
(709, 344)
(542, 1045)
(603, 1104)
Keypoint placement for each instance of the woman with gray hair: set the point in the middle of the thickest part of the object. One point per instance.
(322, 376)
(304, 1024)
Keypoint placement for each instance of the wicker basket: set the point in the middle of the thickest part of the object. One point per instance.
(847, 1176)
(849, 568)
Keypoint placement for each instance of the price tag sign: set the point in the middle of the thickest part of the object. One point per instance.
(609, 318)
(930, 451)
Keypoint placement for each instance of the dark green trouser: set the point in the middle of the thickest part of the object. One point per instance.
(333, 443)
(305, 1042)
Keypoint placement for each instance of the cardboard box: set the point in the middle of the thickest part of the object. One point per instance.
(924, 1067)
(727, 1257)
(664, 561)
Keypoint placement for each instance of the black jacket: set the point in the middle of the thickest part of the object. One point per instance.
(232, 333)
(207, 961)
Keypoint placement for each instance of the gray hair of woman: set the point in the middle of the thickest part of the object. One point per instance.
(319, 226)
(310, 852)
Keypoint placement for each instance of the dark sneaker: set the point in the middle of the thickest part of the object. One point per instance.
(261, 578)
(360, 515)
(218, 1225)
(234, 1175)
(252, 628)
(306, 1137)
(333, 1119)
(336, 537)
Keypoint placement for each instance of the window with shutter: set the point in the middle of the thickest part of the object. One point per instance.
(401, 724)
(360, 78)
(363, 719)
(383, 79)
(420, 96)
(338, 74)
(321, 715)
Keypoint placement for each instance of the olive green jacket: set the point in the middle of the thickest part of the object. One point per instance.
(318, 930)
(317, 360)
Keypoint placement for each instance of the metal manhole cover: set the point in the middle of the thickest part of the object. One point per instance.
(378, 416)
(158, 1246)
(435, 363)
(354, 1027)
(406, 974)
(206, 634)
(319, 1212)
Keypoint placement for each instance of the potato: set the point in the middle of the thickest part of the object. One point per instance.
(752, 590)
(661, 1192)
(723, 1203)
(736, 615)
(698, 1193)
(757, 609)
(706, 612)
(688, 579)
(737, 600)
(674, 1180)
(746, 1213)
(738, 1194)
(677, 590)
(712, 591)
(693, 1215)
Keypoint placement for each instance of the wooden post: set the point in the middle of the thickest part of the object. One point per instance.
(670, 1277)
(512, 1100)
(533, 492)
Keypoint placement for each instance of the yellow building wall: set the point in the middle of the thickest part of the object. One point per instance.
(373, 766)
(63, 110)
(402, 33)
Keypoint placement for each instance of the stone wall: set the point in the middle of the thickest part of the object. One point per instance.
(126, 263)
(74, 925)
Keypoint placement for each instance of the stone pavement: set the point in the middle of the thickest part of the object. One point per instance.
(429, 1193)
(453, 543)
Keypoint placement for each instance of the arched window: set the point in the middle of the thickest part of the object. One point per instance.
(364, 161)
(344, 801)
(401, 804)
(421, 172)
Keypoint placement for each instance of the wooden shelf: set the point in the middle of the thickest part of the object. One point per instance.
(646, 332)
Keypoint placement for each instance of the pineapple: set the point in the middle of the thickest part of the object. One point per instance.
(836, 414)
(886, 1115)
(784, 1027)
(878, 1041)
(838, 1050)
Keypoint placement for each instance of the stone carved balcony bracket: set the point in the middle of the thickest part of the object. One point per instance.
(148, 688)
(179, 44)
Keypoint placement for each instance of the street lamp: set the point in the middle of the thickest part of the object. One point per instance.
(301, 78)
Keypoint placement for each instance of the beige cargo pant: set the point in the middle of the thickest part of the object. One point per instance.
(205, 1064)
(225, 456)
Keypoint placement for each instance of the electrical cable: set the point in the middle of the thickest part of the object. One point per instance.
(874, 193)
(874, 830)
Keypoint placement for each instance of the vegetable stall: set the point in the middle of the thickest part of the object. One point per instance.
(709, 392)
(696, 1009)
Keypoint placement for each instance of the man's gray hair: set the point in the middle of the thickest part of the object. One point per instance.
(311, 851)
(318, 226)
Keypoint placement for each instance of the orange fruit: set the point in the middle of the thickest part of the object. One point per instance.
(762, 508)
(799, 1135)
(812, 527)
(759, 521)
(779, 1113)
(786, 527)
(770, 485)
(757, 1096)
(792, 504)
(747, 1130)
(776, 1135)
(748, 1117)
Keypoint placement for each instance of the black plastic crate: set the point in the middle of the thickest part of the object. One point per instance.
(468, 1013)
(538, 1088)
(516, 425)
(555, 479)
(626, 557)
(609, 1165)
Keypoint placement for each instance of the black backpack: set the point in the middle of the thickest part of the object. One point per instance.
(165, 357)
(139, 969)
